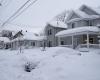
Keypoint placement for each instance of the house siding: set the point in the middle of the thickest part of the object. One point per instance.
(52, 38)
(96, 21)
(80, 23)
(67, 40)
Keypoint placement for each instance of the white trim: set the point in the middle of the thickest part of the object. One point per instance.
(78, 31)
(72, 41)
(87, 40)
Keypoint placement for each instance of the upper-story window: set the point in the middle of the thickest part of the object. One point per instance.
(73, 25)
(49, 32)
(89, 23)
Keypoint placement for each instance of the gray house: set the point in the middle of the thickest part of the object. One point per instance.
(50, 31)
(25, 40)
(82, 28)
(11, 38)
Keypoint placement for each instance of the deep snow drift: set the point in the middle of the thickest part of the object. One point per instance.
(57, 63)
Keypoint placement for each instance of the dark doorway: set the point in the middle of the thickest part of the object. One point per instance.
(62, 42)
(50, 44)
(91, 40)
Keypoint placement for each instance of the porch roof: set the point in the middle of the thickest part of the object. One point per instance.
(79, 31)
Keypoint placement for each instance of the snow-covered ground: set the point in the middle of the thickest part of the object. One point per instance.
(56, 63)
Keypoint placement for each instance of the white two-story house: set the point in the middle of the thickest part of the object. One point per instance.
(82, 28)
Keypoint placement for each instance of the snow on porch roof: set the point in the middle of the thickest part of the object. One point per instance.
(79, 30)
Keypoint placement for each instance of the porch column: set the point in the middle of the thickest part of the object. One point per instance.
(72, 41)
(59, 41)
(87, 40)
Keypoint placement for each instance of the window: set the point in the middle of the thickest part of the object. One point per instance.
(89, 23)
(91, 40)
(62, 42)
(50, 32)
(73, 25)
(33, 43)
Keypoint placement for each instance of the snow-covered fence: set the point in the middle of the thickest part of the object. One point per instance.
(69, 46)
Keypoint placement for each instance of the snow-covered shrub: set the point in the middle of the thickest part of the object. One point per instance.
(79, 54)
(30, 65)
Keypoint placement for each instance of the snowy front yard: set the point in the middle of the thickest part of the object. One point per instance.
(57, 63)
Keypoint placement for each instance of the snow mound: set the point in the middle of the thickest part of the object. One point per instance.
(56, 63)
(55, 51)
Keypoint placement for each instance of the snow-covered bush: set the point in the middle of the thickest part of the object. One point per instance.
(30, 65)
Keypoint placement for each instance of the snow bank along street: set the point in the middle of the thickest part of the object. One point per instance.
(57, 63)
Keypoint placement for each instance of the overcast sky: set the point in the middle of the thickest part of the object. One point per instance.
(42, 11)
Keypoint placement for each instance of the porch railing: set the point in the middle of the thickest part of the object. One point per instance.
(82, 46)
(90, 46)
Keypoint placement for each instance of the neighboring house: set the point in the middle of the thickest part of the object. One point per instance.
(51, 29)
(20, 36)
(25, 40)
(82, 30)
(5, 43)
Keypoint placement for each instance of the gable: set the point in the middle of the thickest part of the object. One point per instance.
(88, 10)
(72, 15)
(18, 34)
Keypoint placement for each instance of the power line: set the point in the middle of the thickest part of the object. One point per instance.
(19, 11)
(24, 9)
(15, 13)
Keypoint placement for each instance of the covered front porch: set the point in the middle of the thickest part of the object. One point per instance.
(83, 37)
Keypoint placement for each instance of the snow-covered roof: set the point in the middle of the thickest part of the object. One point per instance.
(79, 30)
(81, 13)
(4, 39)
(58, 24)
(82, 16)
(97, 10)
(30, 36)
